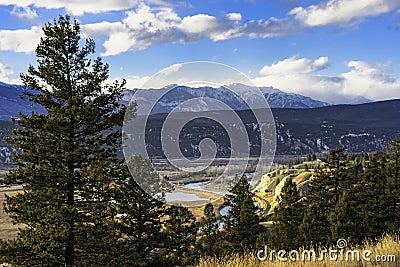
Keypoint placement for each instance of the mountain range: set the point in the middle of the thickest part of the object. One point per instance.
(11, 103)
(236, 96)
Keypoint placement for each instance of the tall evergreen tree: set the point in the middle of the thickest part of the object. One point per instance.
(245, 234)
(315, 225)
(346, 219)
(242, 221)
(338, 174)
(209, 231)
(374, 202)
(180, 233)
(325, 189)
(140, 214)
(235, 198)
(66, 157)
(287, 217)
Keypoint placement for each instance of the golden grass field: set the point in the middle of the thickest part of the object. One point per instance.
(388, 246)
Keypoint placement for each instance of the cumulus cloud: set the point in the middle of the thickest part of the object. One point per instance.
(79, 7)
(234, 16)
(6, 75)
(146, 26)
(371, 81)
(342, 11)
(362, 79)
(324, 88)
(24, 40)
(295, 64)
(101, 28)
(24, 12)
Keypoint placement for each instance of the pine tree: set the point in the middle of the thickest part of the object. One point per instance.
(325, 189)
(315, 225)
(287, 217)
(345, 220)
(338, 176)
(66, 157)
(245, 234)
(180, 234)
(242, 221)
(139, 214)
(393, 190)
(235, 198)
(374, 202)
(209, 231)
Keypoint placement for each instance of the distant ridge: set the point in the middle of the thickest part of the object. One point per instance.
(11, 103)
(179, 94)
(358, 128)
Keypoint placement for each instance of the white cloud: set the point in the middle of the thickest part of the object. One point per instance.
(323, 88)
(133, 82)
(234, 16)
(101, 28)
(171, 69)
(342, 11)
(24, 40)
(363, 79)
(370, 81)
(24, 12)
(198, 24)
(272, 27)
(147, 26)
(75, 7)
(6, 75)
(295, 64)
(79, 7)
(144, 18)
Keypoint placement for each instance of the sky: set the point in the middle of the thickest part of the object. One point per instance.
(330, 50)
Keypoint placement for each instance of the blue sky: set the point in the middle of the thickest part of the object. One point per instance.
(332, 50)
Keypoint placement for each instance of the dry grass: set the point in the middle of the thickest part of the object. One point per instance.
(7, 229)
(389, 245)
